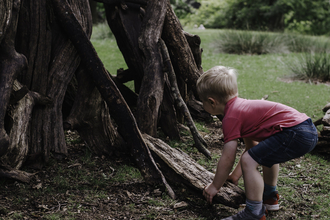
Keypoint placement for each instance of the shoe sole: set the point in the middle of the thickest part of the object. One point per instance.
(272, 207)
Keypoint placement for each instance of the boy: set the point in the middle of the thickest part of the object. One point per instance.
(273, 133)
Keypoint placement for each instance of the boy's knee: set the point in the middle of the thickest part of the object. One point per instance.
(248, 161)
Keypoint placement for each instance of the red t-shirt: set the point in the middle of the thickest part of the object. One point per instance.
(257, 119)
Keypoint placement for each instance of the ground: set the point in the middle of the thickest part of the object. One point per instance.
(84, 186)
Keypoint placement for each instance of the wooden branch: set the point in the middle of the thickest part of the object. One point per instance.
(8, 172)
(127, 126)
(181, 55)
(199, 141)
(126, 27)
(178, 167)
(124, 76)
(194, 42)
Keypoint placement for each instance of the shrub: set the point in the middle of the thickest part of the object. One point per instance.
(298, 43)
(311, 66)
(250, 42)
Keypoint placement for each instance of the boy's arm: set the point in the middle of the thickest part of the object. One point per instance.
(224, 167)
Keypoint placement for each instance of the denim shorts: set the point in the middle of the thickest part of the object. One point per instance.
(286, 145)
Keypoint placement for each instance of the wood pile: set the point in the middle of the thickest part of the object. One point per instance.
(324, 134)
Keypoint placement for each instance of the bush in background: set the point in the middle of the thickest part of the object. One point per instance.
(312, 66)
(257, 42)
(250, 42)
(300, 16)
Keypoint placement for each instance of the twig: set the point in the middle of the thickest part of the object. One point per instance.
(199, 141)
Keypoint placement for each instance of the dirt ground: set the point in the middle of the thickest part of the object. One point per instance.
(59, 192)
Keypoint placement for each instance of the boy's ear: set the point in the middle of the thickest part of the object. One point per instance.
(211, 100)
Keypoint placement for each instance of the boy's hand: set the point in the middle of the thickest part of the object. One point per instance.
(209, 192)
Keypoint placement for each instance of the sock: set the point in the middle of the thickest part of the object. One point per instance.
(268, 190)
(254, 206)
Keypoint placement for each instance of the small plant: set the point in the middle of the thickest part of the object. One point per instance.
(250, 42)
(311, 66)
(298, 43)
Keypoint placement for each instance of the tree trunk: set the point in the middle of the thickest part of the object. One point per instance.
(90, 117)
(152, 87)
(49, 51)
(18, 121)
(11, 64)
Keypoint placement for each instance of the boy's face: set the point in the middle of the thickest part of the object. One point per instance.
(213, 107)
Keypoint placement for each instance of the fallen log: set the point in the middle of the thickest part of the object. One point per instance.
(178, 167)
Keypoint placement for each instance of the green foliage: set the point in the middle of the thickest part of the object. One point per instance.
(301, 16)
(309, 17)
(254, 42)
(256, 14)
(210, 14)
(311, 66)
(249, 42)
(304, 43)
(181, 8)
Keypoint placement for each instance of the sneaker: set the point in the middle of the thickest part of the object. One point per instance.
(271, 202)
(248, 215)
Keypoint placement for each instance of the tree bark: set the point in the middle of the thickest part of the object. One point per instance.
(19, 114)
(11, 64)
(152, 88)
(90, 117)
(5, 16)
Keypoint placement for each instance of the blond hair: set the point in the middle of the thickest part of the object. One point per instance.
(218, 82)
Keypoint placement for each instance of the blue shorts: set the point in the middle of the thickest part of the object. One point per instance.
(286, 145)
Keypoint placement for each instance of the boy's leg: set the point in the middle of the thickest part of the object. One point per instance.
(270, 195)
(253, 181)
(254, 187)
(270, 175)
